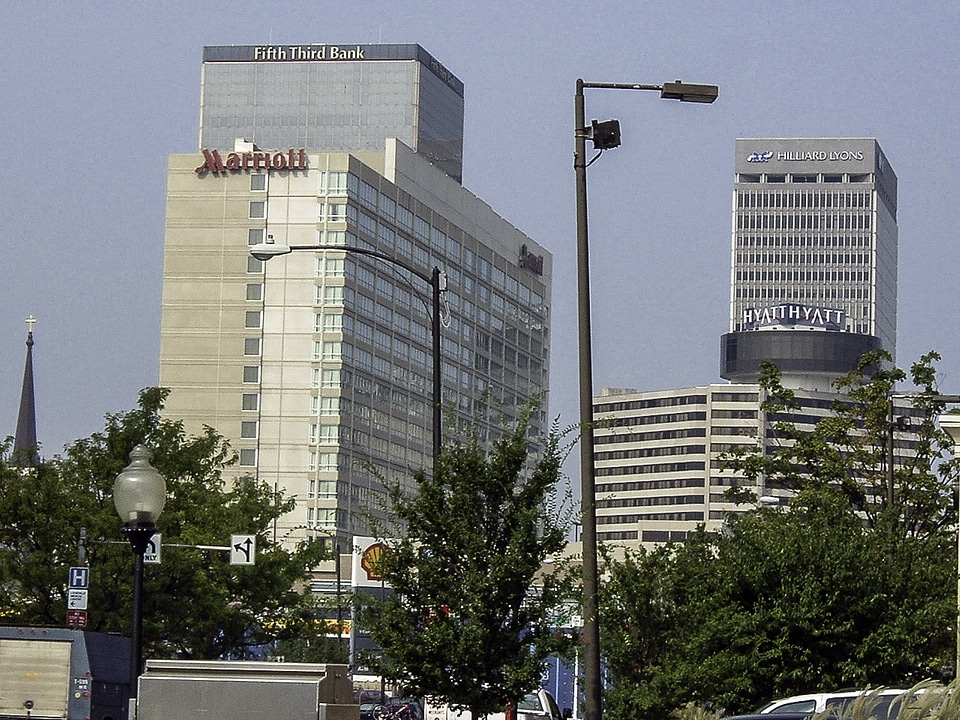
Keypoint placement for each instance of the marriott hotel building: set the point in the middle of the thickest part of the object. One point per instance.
(317, 365)
(813, 286)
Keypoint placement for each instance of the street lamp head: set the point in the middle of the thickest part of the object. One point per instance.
(139, 492)
(605, 135)
(267, 250)
(685, 92)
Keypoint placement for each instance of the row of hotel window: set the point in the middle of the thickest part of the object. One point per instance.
(614, 488)
(367, 443)
(346, 380)
(716, 463)
(675, 400)
(804, 242)
(377, 421)
(633, 519)
(792, 200)
(810, 221)
(796, 275)
(749, 433)
(676, 516)
(805, 177)
(604, 424)
(678, 434)
(818, 294)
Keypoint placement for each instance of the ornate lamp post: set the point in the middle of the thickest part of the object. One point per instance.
(139, 494)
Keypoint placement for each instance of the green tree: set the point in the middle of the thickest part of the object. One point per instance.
(840, 588)
(849, 449)
(471, 618)
(784, 601)
(196, 604)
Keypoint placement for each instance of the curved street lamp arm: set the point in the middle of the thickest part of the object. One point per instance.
(372, 253)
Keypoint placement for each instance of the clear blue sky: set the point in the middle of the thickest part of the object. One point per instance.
(95, 95)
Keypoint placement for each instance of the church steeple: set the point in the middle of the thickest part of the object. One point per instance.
(25, 441)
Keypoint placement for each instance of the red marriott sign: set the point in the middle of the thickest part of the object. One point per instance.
(255, 161)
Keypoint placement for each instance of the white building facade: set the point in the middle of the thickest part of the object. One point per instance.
(813, 286)
(317, 366)
(813, 281)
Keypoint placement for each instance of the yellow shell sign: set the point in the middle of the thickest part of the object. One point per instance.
(371, 559)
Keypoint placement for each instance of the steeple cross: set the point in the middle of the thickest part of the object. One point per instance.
(30, 323)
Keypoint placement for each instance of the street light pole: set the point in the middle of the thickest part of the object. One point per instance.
(592, 681)
(139, 494)
(588, 534)
(438, 285)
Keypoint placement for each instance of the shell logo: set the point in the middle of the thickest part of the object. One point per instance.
(371, 559)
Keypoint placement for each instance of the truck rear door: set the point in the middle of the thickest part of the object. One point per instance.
(34, 678)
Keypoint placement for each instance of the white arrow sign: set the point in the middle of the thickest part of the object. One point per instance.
(76, 599)
(243, 549)
(152, 554)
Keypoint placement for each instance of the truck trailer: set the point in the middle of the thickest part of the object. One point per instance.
(63, 674)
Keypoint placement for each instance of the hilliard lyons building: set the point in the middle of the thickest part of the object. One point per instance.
(814, 259)
(318, 365)
(813, 287)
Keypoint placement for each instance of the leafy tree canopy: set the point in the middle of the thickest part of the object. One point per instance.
(196, 604)
(841, 588)
(472, 618)
(850, 451)
(786, 601)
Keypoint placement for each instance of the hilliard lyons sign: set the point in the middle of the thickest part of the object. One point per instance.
(793, 314)
(252, 161)
(762, 156)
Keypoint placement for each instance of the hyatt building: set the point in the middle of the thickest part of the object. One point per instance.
(814, 259)
(813, 287)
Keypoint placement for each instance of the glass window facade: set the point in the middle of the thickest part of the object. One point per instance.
(330, 351)
(319, 103)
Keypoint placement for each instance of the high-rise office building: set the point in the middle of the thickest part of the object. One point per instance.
(317, 365)
(813, 288)
(814, 258)
(335, 98)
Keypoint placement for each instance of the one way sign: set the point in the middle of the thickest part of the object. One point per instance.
(242, 549)
(151, 555)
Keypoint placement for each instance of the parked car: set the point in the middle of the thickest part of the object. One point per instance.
(836, 702)
(538, 705)
(779, 716)
(369, 710)
(401, 709)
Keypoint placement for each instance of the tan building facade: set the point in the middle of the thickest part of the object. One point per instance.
(317, 366)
